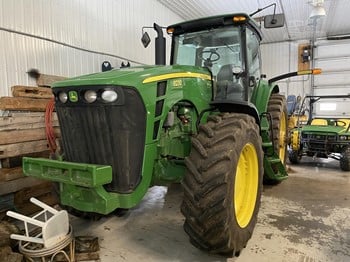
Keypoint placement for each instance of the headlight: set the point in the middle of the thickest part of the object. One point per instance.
(109, 95)
(343, 137)
(63, 97)
(90, 96)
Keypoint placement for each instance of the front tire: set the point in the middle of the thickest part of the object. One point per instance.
(222, 187)
(345, 160)
(294, 157)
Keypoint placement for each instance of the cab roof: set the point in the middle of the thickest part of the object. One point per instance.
(214, 22)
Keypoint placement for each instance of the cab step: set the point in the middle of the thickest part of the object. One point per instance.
(274, 168)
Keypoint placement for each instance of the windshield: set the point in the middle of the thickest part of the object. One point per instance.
(209, 48)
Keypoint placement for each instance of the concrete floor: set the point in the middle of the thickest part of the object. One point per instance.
(304, 219)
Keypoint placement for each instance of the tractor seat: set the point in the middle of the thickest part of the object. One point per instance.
(291, 104)
(227, 88)
(346, 121)
(319, 122)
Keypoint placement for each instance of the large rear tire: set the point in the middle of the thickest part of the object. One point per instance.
(222, 187)
(277, 107)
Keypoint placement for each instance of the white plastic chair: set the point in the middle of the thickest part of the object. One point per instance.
(54, 225)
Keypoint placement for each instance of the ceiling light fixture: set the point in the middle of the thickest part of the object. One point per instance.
(318, 10)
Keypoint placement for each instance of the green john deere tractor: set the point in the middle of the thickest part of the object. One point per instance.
(208, 120)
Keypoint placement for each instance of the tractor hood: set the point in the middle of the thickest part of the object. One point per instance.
(136, 76)
(323, 129)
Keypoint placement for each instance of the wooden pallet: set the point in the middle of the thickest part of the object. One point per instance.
(16, 161)
(23, 133)
(32, 92)
(16, 120)
(23, 103)
(8, 174)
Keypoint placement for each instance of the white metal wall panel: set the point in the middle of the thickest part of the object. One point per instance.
(23, 53)
(275, 58)
(329, 80)
(332, 49)
(106, 26)
(280, 58)
(333, 91)
(334, 64)
(334, 59)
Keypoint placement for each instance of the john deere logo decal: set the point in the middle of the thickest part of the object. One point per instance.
(73, 96)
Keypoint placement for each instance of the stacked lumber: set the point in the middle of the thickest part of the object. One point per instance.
(27, 98)
(22, 133)
(43, 79)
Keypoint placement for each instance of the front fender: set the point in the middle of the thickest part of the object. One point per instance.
(237, 107)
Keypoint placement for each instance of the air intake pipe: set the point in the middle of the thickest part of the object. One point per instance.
(160, 45)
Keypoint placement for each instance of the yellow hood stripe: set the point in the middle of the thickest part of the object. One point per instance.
(175, 75)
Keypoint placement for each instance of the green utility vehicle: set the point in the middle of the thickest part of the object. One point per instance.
(321, 137)
(208, 120)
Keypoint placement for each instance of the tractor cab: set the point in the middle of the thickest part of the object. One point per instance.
(228, 46)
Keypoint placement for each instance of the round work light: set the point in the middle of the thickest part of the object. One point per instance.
(109, 95)
(63, 97)
(90, 96)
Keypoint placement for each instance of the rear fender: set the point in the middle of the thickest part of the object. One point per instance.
(260, 98)
(261, 95)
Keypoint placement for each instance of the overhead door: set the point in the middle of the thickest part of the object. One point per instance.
(333, 57)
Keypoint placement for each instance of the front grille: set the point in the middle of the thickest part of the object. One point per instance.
(319, 137)
(107, 134)
(322, 143)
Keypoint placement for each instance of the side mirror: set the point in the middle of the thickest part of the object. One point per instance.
(145, 39)
(274, 21)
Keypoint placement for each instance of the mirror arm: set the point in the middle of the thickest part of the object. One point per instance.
(260, 9)
(160, 43)
(146, 27)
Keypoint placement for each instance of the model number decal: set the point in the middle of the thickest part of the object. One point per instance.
(177, 83)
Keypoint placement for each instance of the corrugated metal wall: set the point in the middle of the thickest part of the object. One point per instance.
(280, 58)
(100, 29)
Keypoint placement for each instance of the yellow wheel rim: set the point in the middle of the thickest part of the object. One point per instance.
(246, 185)
(295, 140)
(282, 138)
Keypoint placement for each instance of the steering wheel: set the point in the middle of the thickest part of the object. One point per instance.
(337, 122)
(213, 57)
